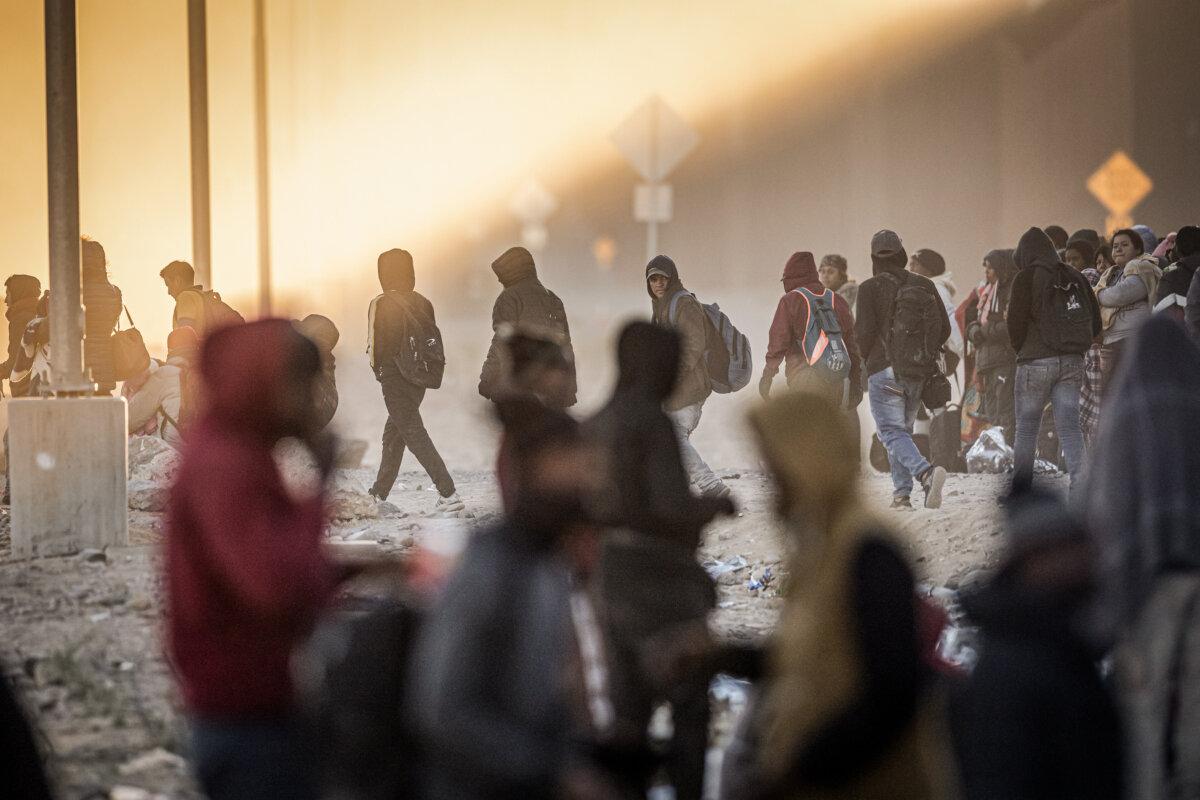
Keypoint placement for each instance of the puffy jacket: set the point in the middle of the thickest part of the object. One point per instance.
(102, 310)
(1126, 297)
(692, 384)
(527, 304)
(1037, 262)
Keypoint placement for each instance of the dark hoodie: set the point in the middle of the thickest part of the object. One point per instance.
(791, 320)
(102, 309)
(389, 313)
(993, 348)
(876, 301)
(524, 303)
(646, 486)
(321, 331)
(1039, 266)
(244, 580)
(1177, 279)
(693, 384)
(23, 294)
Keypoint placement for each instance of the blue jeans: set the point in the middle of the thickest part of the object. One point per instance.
(686, 420)
(1056, 380)
(252, 760)
(894, 403)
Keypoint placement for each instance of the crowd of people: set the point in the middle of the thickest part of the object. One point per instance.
(537, 667)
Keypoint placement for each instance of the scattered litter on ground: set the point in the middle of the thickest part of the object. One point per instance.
(716, 568)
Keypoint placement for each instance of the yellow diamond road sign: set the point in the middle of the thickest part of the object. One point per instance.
(1119, 184)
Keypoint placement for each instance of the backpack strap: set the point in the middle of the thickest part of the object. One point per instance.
(673, 308)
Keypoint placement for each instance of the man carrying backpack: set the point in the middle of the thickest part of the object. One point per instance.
(901, 327)
(201, 309)
(1053, 316)
(675, 307)
(527, 305)
(404, 347)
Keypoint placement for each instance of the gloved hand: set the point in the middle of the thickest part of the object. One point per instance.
(764, 386)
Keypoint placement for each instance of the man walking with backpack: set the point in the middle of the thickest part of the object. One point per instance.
(405, 349)
(677, 308)
(1053, 317)
(901, 327)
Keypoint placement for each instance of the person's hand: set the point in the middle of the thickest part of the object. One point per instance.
(764, 386)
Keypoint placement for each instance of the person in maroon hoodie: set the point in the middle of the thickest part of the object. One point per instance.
(802, 286)
(246, 575)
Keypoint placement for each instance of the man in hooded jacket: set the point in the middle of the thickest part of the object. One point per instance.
(525, 304)
(650, 581)
(389, 316)
(675, 307)
(895, 399)
(21, 296)
(1045, 372)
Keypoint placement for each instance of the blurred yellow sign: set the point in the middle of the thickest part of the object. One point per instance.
(1119, 185)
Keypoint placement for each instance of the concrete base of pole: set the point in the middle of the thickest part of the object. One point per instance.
(68, 466)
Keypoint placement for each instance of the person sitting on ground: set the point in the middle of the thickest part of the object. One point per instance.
(845, 708)
(674, 307)
(649, 579)
(102, 305)
(156, 395)
(1172, 293)
(513, 687)
(21, 294)
(987, 329)
(324, 334)
(835, 274)
(894, 392)
(1034, 720)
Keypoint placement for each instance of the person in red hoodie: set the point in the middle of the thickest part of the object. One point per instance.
(789, 330)
(246, 575)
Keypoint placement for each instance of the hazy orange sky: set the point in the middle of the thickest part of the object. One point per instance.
(392, 122)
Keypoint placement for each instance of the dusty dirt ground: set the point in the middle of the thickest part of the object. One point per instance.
(81, 633)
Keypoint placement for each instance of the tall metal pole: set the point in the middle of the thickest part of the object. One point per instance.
(264, 165)
(62, 162)
(652, 225)
(198, 101)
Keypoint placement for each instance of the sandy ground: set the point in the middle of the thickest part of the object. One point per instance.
(81, 636)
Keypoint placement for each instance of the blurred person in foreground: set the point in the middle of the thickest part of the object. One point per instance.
(845, 709)
(511, 692)
(650, 582)
(246, 575)
(1144, 507)
(1034, 721)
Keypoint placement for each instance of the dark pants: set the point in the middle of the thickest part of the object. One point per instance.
(999, 404)
(405, 428)
(1056, 380)
(252, 760)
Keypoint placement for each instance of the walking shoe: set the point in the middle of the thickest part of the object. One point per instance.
(375, 493)
(901, 501)
(717, 490)
(932, 482)
(449, 505)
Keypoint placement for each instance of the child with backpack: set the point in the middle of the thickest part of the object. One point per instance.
(901, 327)
(715, 356)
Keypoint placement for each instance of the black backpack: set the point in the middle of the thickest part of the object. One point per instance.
(422, 356)
(912, 339)
(1064, 317)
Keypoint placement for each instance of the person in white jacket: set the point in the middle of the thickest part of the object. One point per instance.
(157, 396)
(931, 264)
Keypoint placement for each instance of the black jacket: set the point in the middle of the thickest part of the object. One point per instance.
(873, 314)
(1034, 720)
(23, 295)
(1038, 263)
(1176, 280)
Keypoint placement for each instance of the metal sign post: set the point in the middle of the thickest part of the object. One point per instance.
(198, 106)
(654, 139)
(263, 151)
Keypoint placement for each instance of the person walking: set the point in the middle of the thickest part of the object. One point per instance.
(898, 368)
(649, 579)
(1052, 319)
(524, 304)
(835, 274)
(1144, 509)
(987, 329)
(102, 309)
(675, 307)
(396, 315)
(1034, 719)
(246, 571)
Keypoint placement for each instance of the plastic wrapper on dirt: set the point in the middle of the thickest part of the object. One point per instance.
(990, 453)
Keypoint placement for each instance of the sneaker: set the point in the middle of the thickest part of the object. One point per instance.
(901, 501)
(932, 481)
(717, 490)
(449, 505)
(375, 493)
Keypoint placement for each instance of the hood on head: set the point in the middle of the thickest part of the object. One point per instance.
(896, 263)
(396, 271)
(647, 360)
(245, 369)
(664, 265)
(1149, 238)
(320, 331)
(1187, 241)
(807, 444)
(514, 264)
(1035, 250)
(1002, 262)
(801, 271)
(22, 287)
(93, 263)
